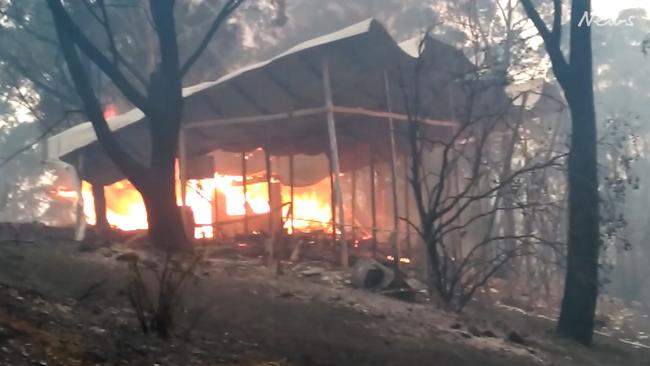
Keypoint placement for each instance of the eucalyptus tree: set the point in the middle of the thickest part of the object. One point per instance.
(575, 75)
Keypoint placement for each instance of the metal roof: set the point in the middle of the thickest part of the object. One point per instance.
(267, 104)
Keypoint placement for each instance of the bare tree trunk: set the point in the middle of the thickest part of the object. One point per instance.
(99, 199)
(576, 78)
(166, 229)
(581, 284)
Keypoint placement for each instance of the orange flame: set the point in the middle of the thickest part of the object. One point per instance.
(312, 207)
(125, 209)
(124, 206)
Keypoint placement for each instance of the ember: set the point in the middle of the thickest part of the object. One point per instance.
(64, 194)
(401, 260)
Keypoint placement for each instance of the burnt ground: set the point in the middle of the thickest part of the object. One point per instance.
(60, 305)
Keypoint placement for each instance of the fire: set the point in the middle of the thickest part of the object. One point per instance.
(312, 207)
(110, 111)
(124, 206)
(233, 189)
(198, 197)
(126, 210)
(401, 259)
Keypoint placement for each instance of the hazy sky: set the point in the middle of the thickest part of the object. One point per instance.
(611, 8)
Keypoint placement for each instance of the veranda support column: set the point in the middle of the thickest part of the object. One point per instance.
(244, 174)
(332, 198)
(292, 193)
(182, 167)
(270, 255)
(334, 153)
(354, 206)
(393, 174)
(458, 237)
(215, 203)
(188, 223)
(373, 199)
(80, 226)
(407, 208)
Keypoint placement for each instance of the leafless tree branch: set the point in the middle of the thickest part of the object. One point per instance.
(225, 12)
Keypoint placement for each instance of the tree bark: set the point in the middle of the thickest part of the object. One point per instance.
(581, 283)
(576, 78)
(99, 198)
(164, 217)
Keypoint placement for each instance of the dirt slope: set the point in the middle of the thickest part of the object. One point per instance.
(60, 306)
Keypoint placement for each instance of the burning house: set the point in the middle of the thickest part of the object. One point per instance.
(314, 139)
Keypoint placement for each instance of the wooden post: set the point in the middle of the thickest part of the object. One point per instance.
(354, 206)
(334, 153)
(271, 229)
(407, 208)
(292, 184)
(244, 175)
(182, 167)
(215, 212)
(393, 174)
(373, 199)
(215, 202)
(332, 198)
(188, 223)
(458, 236)
(80, 227)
